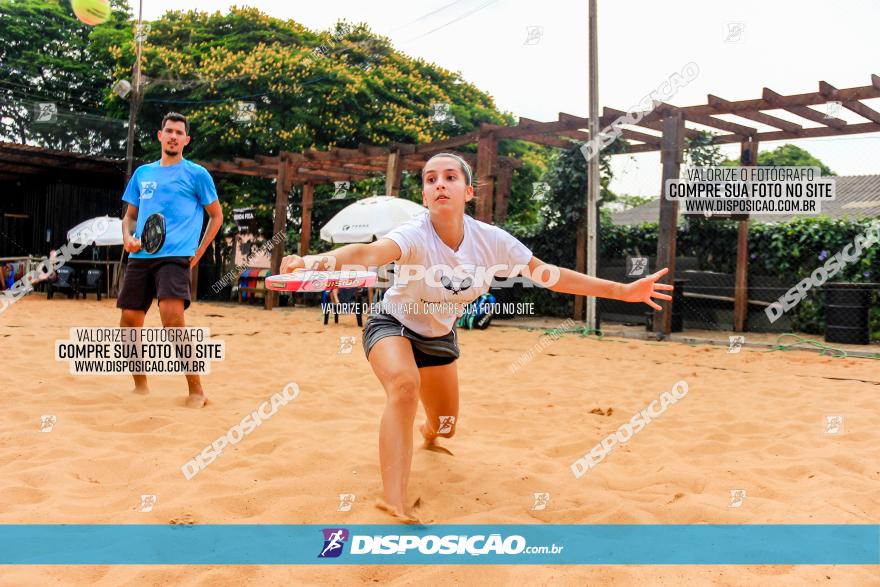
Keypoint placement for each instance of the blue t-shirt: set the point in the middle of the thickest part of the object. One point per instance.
(178, 192)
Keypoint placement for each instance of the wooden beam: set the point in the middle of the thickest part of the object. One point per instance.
(18, 169)
(808, 99)
(503, 190)
(326, 176)
(571, 121)
(402, 148)
(393, 174)
(807, 133)
(372, 150)
(225, 167)
(613, 113)
(822, 131)
(487, 153)
(862, 110)
(723, 105)
(459, 141)
(548, 141)
(366, 167)
(336, 154)
(306, 232)
(875, 82)
(339, 168)
(635, 135)
(671, 157)
(282, 191)
(530, 128)
(833, 93)
(580, 135)
(271, 160)
(737, 129)
(748, 158)
(54, 163)
(642, 148)
(780, 101)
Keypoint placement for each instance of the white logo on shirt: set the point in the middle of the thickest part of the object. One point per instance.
(147, 189)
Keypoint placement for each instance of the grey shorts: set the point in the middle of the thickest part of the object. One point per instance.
(427, 351)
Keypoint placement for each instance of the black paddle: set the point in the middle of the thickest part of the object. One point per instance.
(153, 236)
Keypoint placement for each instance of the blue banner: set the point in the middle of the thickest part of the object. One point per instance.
(251, 544)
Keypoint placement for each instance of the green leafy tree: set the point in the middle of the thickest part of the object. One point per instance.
(53, 83)
(701, 152)
(250, 84)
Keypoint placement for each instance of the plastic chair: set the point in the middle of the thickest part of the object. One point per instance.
(93, 282)
(65, 281)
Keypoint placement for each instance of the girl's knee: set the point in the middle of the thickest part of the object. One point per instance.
(403, 388)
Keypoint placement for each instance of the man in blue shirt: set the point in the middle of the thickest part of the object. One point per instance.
(179, 190)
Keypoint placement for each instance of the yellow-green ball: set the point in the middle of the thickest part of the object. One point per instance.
(91, 12)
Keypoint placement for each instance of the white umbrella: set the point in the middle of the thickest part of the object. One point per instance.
(87, 233)
(370, 218)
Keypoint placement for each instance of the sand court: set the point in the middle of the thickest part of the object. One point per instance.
(753, 422)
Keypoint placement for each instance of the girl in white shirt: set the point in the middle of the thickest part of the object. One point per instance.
(445, 259)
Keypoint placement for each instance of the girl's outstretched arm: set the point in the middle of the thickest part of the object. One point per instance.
(579, 284)
(350, 257)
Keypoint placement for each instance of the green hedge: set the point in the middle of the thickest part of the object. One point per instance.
(790, 251)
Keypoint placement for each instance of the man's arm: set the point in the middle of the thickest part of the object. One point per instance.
(129, 224)
(215, 221)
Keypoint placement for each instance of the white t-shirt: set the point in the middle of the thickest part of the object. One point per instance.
(433, 284)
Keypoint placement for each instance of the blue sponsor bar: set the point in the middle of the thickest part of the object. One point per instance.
(251, 544)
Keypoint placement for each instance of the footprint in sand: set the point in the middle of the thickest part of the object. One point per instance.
(601, 412)
(676, 497)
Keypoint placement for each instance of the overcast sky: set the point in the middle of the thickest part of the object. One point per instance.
(785, 45)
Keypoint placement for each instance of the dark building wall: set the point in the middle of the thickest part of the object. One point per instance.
(30, 208)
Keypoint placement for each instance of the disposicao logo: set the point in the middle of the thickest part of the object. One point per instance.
(334, 540)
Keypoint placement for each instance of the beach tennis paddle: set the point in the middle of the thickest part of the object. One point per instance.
(308, 280)
(153, 235)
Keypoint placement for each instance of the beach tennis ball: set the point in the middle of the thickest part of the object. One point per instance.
(91, 12)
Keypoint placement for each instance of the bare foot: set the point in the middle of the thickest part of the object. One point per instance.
(196, 400)
(141, 390)
(431, 441)
(397, 514)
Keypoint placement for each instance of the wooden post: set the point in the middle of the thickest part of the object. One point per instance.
(487, 155)
(282, 190)
(671, 150)
(580, 264)
(306, 234)
(748, 157)
(503, 189)
(393, 174)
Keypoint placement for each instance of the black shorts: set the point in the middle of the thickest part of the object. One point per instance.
(427, 351)
(160, 278)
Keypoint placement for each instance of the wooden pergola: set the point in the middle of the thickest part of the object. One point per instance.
(670, 121)
(493, 173)
(311, 168)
